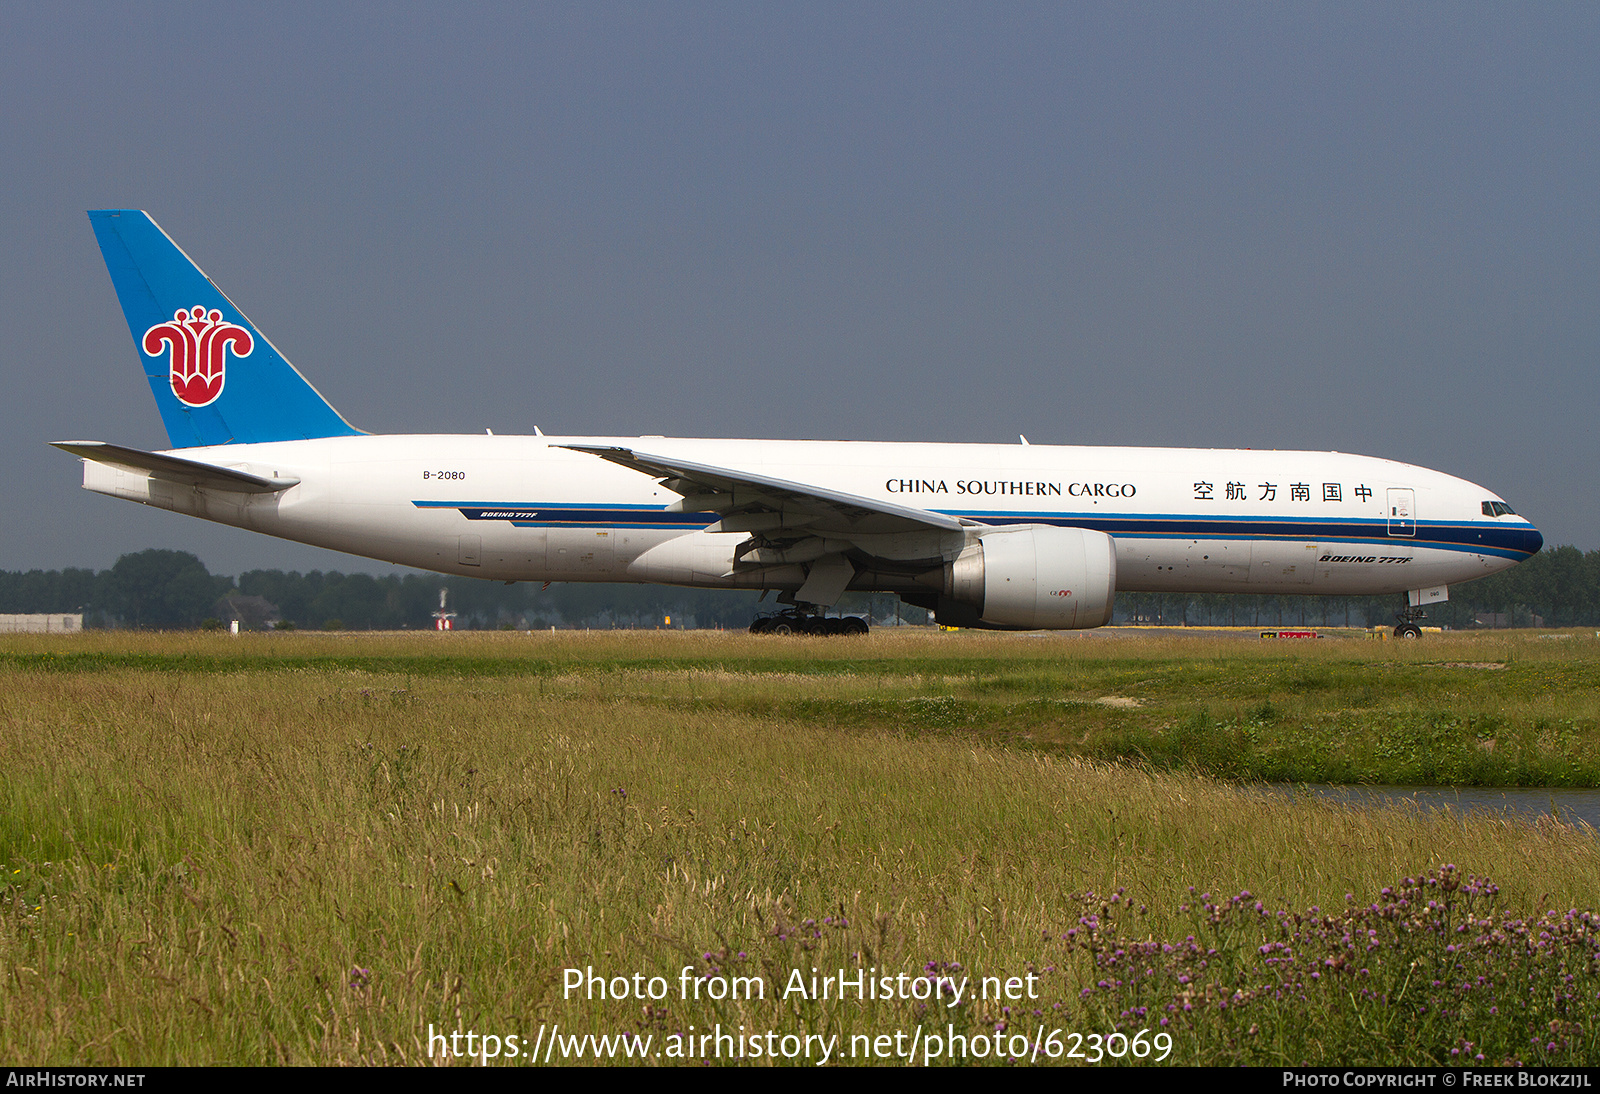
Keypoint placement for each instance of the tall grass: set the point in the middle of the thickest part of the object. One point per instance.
(308, 850)
(1482, 710)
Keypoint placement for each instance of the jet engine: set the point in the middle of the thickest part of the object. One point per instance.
(1031, 577)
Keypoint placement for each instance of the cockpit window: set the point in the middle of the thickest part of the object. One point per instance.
(1497, 509)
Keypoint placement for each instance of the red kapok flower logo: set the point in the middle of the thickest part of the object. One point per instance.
(199, 341)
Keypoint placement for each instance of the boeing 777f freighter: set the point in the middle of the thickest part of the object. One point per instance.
(985, 535)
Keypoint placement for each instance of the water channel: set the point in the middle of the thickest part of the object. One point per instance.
(1567, 806)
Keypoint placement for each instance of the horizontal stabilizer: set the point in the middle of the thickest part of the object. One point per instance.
(176, 468)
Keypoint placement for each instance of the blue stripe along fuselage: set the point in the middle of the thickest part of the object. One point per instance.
(536, 515)
(1513, 541)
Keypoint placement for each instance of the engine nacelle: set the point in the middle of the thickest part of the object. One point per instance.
(1032, 577)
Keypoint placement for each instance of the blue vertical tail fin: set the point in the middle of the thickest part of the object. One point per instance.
(216, 378)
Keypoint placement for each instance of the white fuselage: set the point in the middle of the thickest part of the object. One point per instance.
(527, 509)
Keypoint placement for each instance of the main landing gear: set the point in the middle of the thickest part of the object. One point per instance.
(799, 622)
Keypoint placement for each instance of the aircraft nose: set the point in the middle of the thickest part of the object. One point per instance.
(1532, 540)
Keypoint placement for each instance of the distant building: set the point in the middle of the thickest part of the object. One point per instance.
(55, 623)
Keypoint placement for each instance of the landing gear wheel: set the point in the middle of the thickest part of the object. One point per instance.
(1408, 630)
(794, 622)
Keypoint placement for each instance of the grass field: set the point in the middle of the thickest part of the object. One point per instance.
(313, 848)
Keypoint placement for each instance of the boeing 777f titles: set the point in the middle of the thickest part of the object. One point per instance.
(985, 535)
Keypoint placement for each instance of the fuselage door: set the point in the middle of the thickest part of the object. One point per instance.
(1402, 511)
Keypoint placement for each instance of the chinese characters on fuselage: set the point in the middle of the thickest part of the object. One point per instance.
(1298, 491)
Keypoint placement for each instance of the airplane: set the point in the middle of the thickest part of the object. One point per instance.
(995, 536)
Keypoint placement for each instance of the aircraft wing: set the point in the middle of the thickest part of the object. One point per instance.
(734, 494)
(176, 468)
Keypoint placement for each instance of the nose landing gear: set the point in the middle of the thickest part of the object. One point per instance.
(1408, 617)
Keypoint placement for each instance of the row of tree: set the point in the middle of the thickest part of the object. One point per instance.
(158, 589)
(173, 589)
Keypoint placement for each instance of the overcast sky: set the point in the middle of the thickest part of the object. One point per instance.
(1370, 228)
